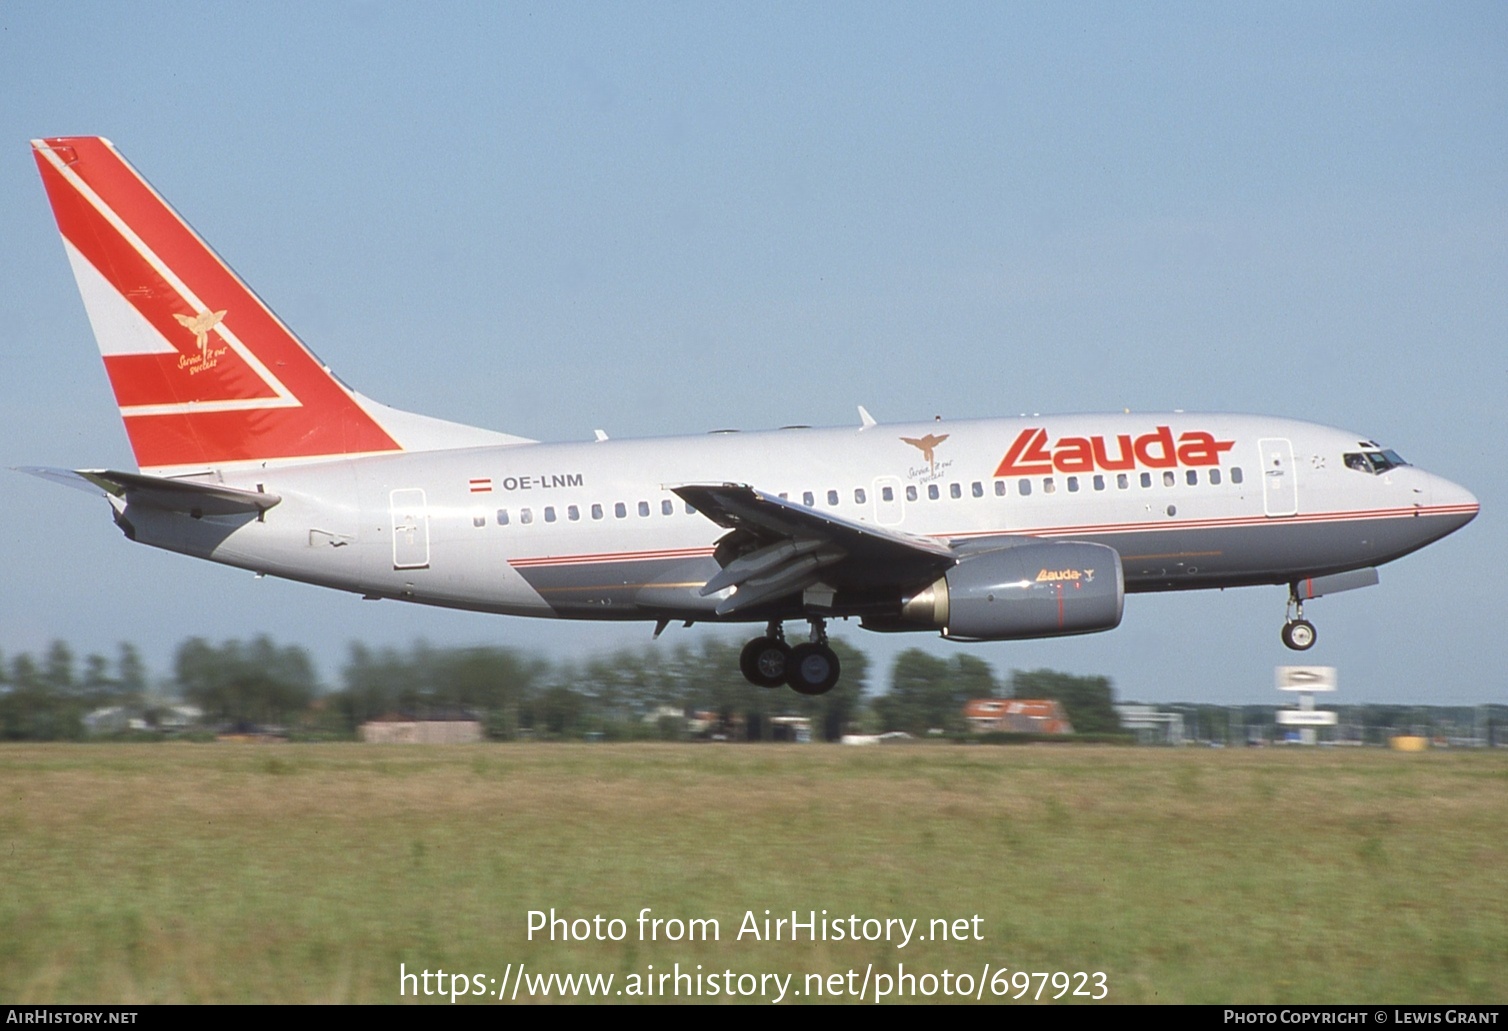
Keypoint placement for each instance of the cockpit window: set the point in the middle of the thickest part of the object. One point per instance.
(1374, 462)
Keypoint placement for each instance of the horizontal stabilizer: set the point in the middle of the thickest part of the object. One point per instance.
(185, 496)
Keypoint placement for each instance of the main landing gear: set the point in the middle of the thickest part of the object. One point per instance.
(1298, 633)
(809, 669)
(764, 660)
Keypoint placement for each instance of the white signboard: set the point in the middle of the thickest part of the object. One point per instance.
(1306, 718)
(1306, 678)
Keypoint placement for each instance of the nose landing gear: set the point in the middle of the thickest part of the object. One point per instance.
(810, 669)
(1298, 633)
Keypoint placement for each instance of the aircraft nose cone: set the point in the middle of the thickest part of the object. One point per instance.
(1457, 496)
(1451, 499)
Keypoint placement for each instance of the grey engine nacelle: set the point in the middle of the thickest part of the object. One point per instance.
(1030, 590)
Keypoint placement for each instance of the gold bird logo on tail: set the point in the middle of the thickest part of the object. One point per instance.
(200, 325)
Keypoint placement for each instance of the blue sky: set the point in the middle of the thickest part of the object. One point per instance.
(667, 218)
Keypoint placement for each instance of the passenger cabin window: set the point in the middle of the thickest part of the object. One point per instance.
(525, 516)
(977, 489)
(573, 513)
(1193, 477)
(887, 493)
(808, 499)
(667, 507)
(932, 492)
(1168, 478)
(502, 517)
(549, 513)
(643, 509)
(1146, 479)
(620, 510)
(859, 496)
(479, 520)
(999, 488)
(1235, 474)
(911, 493)
(1215, 477)
(1024, 488)
(1048, 486)
(955, 490)
(1122, 481)
(596, 511)
(832, 497)
(1073, 485)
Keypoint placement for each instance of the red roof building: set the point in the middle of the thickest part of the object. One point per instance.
(1017, 715)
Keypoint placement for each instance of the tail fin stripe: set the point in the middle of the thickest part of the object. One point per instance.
(282, 397)
(189, 348)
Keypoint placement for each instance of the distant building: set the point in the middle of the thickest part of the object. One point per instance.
(1016, 716)
(404, 730)
(791, 728)
(164, 719)
(115, 719)
(1152, 725)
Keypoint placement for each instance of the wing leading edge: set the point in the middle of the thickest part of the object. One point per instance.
(776, 548)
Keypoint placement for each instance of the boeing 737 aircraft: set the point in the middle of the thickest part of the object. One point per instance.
(252, 453)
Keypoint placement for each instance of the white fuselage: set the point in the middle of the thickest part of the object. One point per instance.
(593, 530)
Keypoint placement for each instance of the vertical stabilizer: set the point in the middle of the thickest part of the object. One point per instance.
(204, 373)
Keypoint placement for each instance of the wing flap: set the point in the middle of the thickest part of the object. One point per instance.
(790, 548)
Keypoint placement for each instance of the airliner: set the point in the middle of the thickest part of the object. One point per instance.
(252, 453)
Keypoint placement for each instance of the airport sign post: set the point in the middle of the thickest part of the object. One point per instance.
(1306, 681)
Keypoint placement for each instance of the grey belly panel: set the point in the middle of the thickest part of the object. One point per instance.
(627, 588)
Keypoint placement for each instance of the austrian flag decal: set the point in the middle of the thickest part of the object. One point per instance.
(1030, 453)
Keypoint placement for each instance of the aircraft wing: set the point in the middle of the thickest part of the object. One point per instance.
(777, 548)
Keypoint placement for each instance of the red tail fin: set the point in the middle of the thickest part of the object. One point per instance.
(204, 373)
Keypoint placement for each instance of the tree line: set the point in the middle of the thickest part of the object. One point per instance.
(648, 692)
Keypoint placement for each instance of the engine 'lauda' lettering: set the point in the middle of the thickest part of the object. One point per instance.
(1030, 454)
(1055, 575)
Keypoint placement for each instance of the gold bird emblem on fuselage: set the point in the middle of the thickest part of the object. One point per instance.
(926, 444)
(200, 325)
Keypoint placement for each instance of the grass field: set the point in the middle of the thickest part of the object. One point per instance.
(278, 873)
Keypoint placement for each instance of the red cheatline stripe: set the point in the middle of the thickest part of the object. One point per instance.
(1173, 523)
(1361, 515)
(618, 556)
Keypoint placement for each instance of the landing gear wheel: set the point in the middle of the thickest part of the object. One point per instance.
(813, 669)
(1299, 634)
(765, 662)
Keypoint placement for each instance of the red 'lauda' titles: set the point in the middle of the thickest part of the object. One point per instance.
(1030, 455)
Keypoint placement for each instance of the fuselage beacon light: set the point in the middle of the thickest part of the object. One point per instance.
(251, 453)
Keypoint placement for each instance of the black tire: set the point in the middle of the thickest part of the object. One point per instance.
(1299, 635)
(765, 662)
(813, 669)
